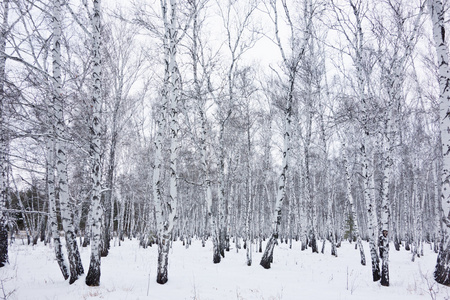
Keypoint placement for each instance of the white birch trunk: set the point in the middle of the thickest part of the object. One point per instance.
(291, 66)
(208, 191)
(93, 275)
(3, 141)
(248, 193)
(267, 257)
(406, 213)
(329, 211)
(308, 182)
(385, 202)
(437, 210)
(221, 201)
(76, 267)
(415, 219)
(442, 271)
(248, 219)
(51, 197)
(166, 223)
(353, 210)
(121, 203)
(290, 209)
(367, 183)
(229, 210)
(394, 99)
(132, 219)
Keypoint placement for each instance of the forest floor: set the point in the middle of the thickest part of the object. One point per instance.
(129, 272)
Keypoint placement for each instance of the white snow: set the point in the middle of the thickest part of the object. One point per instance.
(129, 273)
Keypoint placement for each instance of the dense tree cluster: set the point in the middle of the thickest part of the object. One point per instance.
(229, 121)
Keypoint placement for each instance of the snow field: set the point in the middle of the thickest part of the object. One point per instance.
(129, 272)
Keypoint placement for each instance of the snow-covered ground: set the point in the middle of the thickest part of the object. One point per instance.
(129, 273)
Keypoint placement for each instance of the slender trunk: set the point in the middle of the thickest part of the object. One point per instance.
(383, 243)
(203, 135)
(93, 275)
(247, 227)
(87, 229)
(167, 215)
(229, 210)
(367, 182)
(248, 183)
(353, 211)
(132, 219)
(290, 210)
(329, 199)
(52, 203)
(26, 219)
(437, 209)
(303, 220)
(3, 142)
(291, 65)
(108, 228)
(76, 267)
(308, 183)
(371, 215)
(121, 203)
(415, 219)
(208, 194)
(442, 271)
(221, 207)
(266, 173)
(267, 257)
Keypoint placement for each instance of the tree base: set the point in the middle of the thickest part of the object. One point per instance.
(93, 277)
(3, 245)
(267, 257)
(161, 279)
(216, 258)
(442, 271)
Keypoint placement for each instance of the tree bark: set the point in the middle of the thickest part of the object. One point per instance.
(165, 224)
(3, 142)
(367, 182)
(93, 275)
(267, 257)
(291, 67)
(52, 200)
(442, 270)
(76, 267)
(353, 210)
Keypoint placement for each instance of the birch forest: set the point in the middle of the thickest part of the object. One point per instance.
(242, 123)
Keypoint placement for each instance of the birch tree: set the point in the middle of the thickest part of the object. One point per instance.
(199, 63)
(125, 63)
(3, 139)
(290, 64)
(166, 210)
(351, 26)
(442, 271)
(50, 147)
(52, 199)
(353, 209)
(76, 267)
(237, 24)
(93, 275)
(401, 46)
